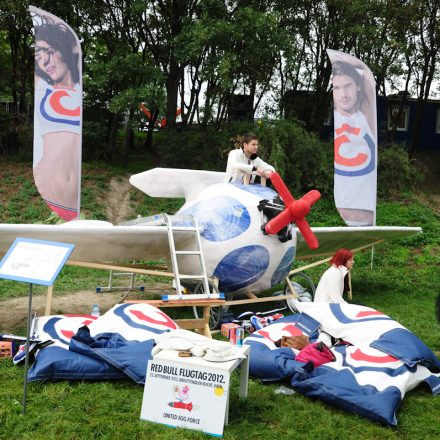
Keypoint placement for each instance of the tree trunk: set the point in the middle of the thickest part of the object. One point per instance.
(148, 144)
(172, 85)
(129, 140)
(13, 44)
(112, 137)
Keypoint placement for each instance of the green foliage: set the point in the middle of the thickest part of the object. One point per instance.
(15, 130)
(304, 161)
(194, 148)
(150, 206)
(139, 82)
(395, 172)
(94, 134)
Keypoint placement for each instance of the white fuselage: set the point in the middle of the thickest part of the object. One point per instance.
(235, 249)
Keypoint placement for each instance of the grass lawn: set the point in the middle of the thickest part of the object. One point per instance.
(403, 283)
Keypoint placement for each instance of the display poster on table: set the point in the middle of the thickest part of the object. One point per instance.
(186, 396)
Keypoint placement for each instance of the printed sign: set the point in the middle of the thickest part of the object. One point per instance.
(34, 261)
(186, 396)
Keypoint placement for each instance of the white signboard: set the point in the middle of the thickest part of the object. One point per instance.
(34, 261)
(185, 395)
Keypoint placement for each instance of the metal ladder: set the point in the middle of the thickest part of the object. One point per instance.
(182, 225)
(110, 288)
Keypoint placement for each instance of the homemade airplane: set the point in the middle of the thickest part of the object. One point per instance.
(248, 238)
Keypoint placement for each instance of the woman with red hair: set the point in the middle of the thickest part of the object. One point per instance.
(331, 285)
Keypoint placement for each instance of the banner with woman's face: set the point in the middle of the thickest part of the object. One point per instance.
(355, 139)
(57, 113)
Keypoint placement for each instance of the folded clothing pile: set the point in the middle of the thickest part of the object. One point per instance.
(198, 345)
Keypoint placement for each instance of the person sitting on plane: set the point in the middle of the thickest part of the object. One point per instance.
(245, 160)
(334, 281)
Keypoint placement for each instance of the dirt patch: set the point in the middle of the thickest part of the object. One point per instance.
(13, 312)
(117, 202)
(431, 200)
(75, 303)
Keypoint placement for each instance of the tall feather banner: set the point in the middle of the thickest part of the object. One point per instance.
(57, 114)
(355, 139)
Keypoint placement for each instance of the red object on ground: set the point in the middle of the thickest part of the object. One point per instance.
(317, 353)
(295, 211)
(226, 327)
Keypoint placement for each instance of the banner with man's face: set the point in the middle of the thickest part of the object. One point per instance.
(57, 114)
(355, 139)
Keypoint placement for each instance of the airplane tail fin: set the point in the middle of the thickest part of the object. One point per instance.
(172, 182)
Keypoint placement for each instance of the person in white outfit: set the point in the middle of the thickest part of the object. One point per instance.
(331, 285)
(245, 160)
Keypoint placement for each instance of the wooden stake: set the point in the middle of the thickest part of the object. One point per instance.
(48, 300)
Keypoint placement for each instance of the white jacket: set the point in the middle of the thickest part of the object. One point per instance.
(239, 165)
(331, 285)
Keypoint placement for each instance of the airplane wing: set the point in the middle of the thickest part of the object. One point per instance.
(172, 182)
(101, 241)
(333, 238)
(98, 240)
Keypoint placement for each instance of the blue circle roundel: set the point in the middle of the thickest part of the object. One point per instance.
(222, 217)
(283, 268)
(242, 267)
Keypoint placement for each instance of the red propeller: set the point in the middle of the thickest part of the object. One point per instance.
(295, 211)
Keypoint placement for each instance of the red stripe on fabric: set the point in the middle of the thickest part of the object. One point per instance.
(358, 355)
(67, 333)
(290, 328)
(369, 313)
(65, 214)
(167, 323)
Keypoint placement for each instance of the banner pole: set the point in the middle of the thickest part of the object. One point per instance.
(26, 362)
(372, 247)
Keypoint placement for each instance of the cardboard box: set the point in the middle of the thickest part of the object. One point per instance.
(225, 328)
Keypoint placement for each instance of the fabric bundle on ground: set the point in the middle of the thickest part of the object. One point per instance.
(370, 376)
(116, 345)
(270, 362)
